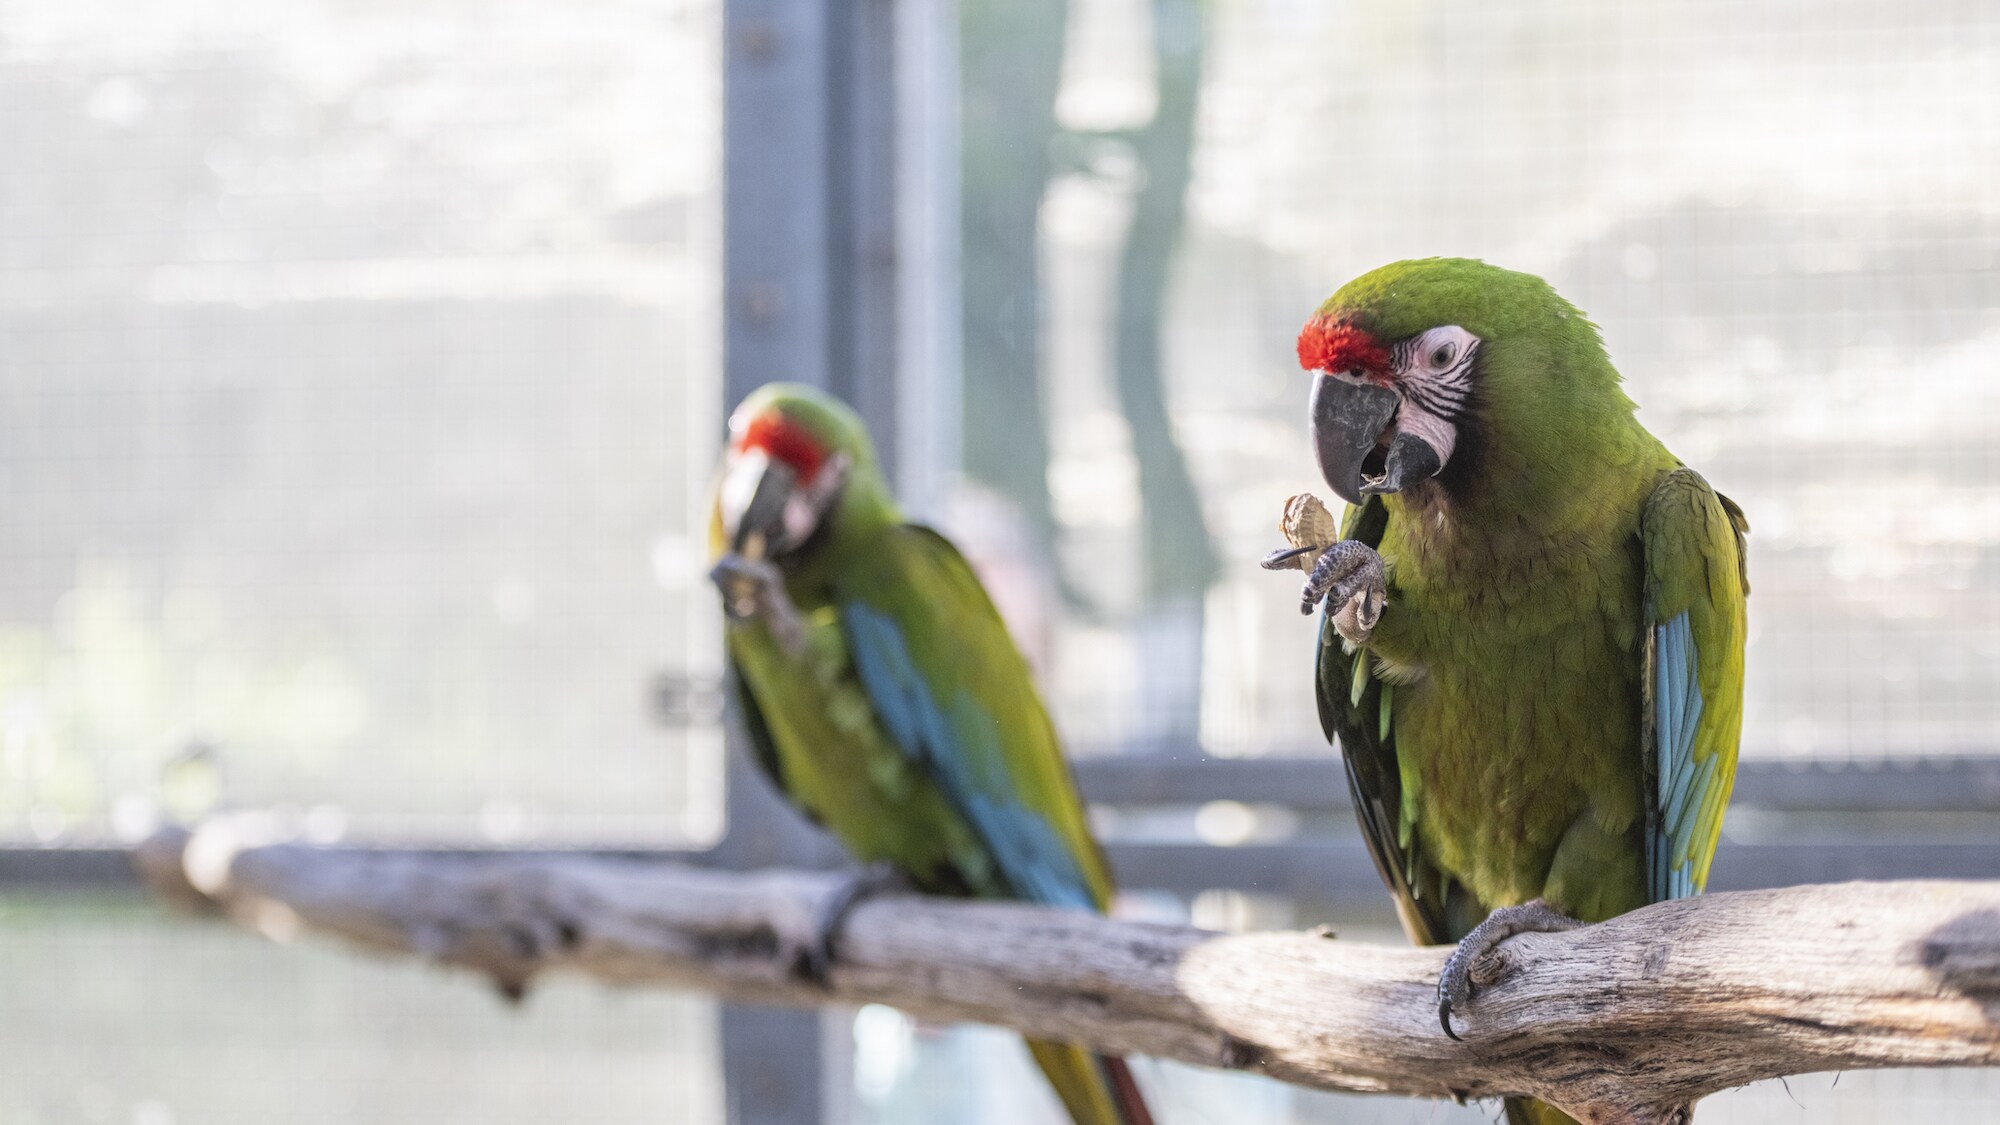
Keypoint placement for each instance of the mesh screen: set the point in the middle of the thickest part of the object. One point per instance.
(357, 385)
(1783, 219)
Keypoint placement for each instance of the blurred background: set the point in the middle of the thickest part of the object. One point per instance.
(362, 366)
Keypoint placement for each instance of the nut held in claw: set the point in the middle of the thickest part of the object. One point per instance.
(1311, 531)
(1308, 526)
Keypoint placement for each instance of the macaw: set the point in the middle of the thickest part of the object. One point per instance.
(884, 696)
(1532, 648)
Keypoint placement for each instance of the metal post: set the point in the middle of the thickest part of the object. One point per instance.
(810, 287)
(861, 183)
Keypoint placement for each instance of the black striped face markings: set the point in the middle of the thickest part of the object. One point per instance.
(1433, 371)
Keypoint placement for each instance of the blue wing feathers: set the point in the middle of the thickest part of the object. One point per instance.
(1026, 848)
(1669, 657)
(1683, 782)
(894, 686)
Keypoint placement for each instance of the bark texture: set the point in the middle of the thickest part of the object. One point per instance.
(1627, 1021)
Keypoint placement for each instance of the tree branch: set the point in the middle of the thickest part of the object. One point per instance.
(1621, 1022)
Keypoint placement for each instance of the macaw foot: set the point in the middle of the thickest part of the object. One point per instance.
(815, 961)
(1349, 575)
(755, 589)
(1462, 970)
(1346, 572)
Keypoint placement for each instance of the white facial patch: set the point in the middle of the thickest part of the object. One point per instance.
(805, 508)
(1433, 371)
(1437, 433)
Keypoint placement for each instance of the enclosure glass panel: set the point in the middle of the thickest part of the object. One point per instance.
(1786, 227)
(358, 386)
(119, 1015)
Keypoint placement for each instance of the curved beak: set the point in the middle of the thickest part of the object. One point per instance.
(1354, 437)
(1410, 459)
(1348, 421)
(755, 493)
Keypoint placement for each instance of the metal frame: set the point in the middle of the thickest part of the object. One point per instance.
(1814, 838)
(1791, 823)
(811, 295)
(1912, 783)
(810, 259)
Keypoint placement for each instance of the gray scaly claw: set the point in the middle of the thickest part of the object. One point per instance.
(755, 588)
(1456, 983)
(746, 584)
(1351, 578)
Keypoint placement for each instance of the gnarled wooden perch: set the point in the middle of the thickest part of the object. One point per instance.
(1621, 1022)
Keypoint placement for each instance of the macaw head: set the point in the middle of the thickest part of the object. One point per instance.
(798, 461)
(1420, 368)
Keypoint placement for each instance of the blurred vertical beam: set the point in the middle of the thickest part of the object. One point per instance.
(777, 324)
(810, 294)
(776, 228)
(861, 182)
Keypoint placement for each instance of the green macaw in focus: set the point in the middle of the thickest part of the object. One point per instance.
(884, 696)
(1532, 650)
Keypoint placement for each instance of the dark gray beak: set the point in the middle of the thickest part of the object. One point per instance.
(1411, 459)
(1348, 420)
(753, 504)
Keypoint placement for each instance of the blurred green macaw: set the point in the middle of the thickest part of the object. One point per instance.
(884, 695)
(1532, 650)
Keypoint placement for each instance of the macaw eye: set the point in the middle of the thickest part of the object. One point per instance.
(1441, 351)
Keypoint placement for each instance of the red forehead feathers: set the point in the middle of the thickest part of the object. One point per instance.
(1326, 344)
(784, 440)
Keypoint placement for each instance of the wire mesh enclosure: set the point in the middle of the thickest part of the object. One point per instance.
(359, 395)
(1783, 221)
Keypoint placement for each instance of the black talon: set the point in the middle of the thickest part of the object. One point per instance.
(1455, 980)
(815, 962)
(1281, 559)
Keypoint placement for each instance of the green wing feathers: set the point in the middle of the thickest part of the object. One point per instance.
(1697, 582)
(955, 694)
(1355, 709)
